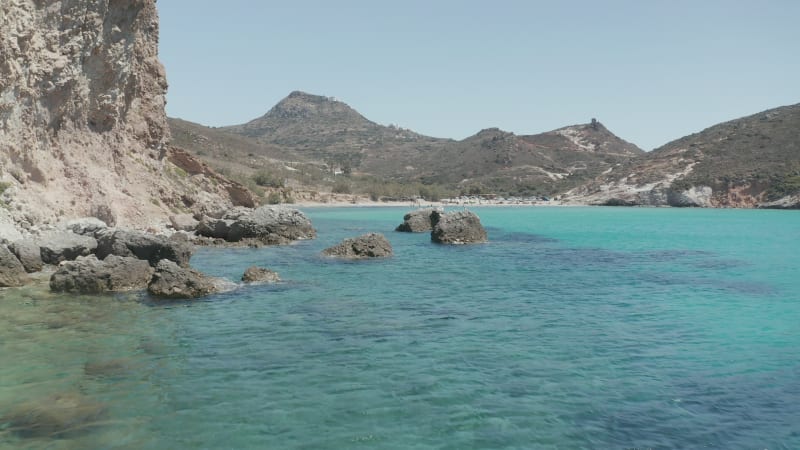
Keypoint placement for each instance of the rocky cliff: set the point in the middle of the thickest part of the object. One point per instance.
(82, 123)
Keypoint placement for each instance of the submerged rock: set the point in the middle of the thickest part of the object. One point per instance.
(149, 247)
(55, 417)
(417, 221)
(260, 275)
(272, 225)
(171, 281)
(88, 275)
(12, 272)
(371, 245)
(65, 246)
(462, 227)
(29, 254)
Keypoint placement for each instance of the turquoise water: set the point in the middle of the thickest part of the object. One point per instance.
(573, 328)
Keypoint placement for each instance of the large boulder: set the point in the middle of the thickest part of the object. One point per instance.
(12, 273)
(149, 247)
(462, 227)
(418, 221)
(183, 222)
(29, 254)
(272, 225)
(171, 281)
(89, 275)
(260, 275)
(65, 246)
(214, 228)
(371, 245)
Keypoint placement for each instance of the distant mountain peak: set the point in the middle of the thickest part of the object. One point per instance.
(300, 110)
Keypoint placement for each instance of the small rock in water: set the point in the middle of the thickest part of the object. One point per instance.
(371, 245)
(260, 275)
(171, 281)
(418, 221)
(462, 227)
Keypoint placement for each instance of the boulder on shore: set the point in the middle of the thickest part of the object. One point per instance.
(171, 281)
(149, 247)
(462, 227)
(29, 254)
(371, 245)
(89, 275)
(418, 221)
(183, 222)
(272, 225)
(260, 275)
(12, 272)
(214, 228)
(65, 246)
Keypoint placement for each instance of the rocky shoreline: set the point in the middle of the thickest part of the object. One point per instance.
(85, 256)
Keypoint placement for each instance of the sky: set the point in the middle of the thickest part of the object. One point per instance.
(650, 71)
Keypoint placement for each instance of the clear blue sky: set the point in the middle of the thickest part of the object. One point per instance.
(651, 71)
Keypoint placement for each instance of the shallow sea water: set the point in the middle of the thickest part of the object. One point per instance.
(573, 328)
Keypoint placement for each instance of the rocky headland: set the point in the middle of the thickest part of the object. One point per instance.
(83, 131)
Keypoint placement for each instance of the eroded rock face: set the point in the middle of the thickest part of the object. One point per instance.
(83, 129)
(12, 273)
(149, 247)
(272, 225)
(171, 281)
(417, 221)
(92, 276)
(371, 245)
(260, 275)
(462, 227)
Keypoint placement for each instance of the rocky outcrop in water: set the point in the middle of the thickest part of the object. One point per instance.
(462, 227)
(272, 225)
(418, 221)
(12, 273)
(260, 275)
(149, 247)
(171, 281)
(371, 245)
(89, 275)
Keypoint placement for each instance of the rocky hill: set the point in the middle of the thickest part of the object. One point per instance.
(748, 162)
(82, 124)
(321, 130)
(546, 163)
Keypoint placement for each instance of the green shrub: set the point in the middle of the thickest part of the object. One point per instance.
(274, 198)
(341, 187)
(268, 179)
